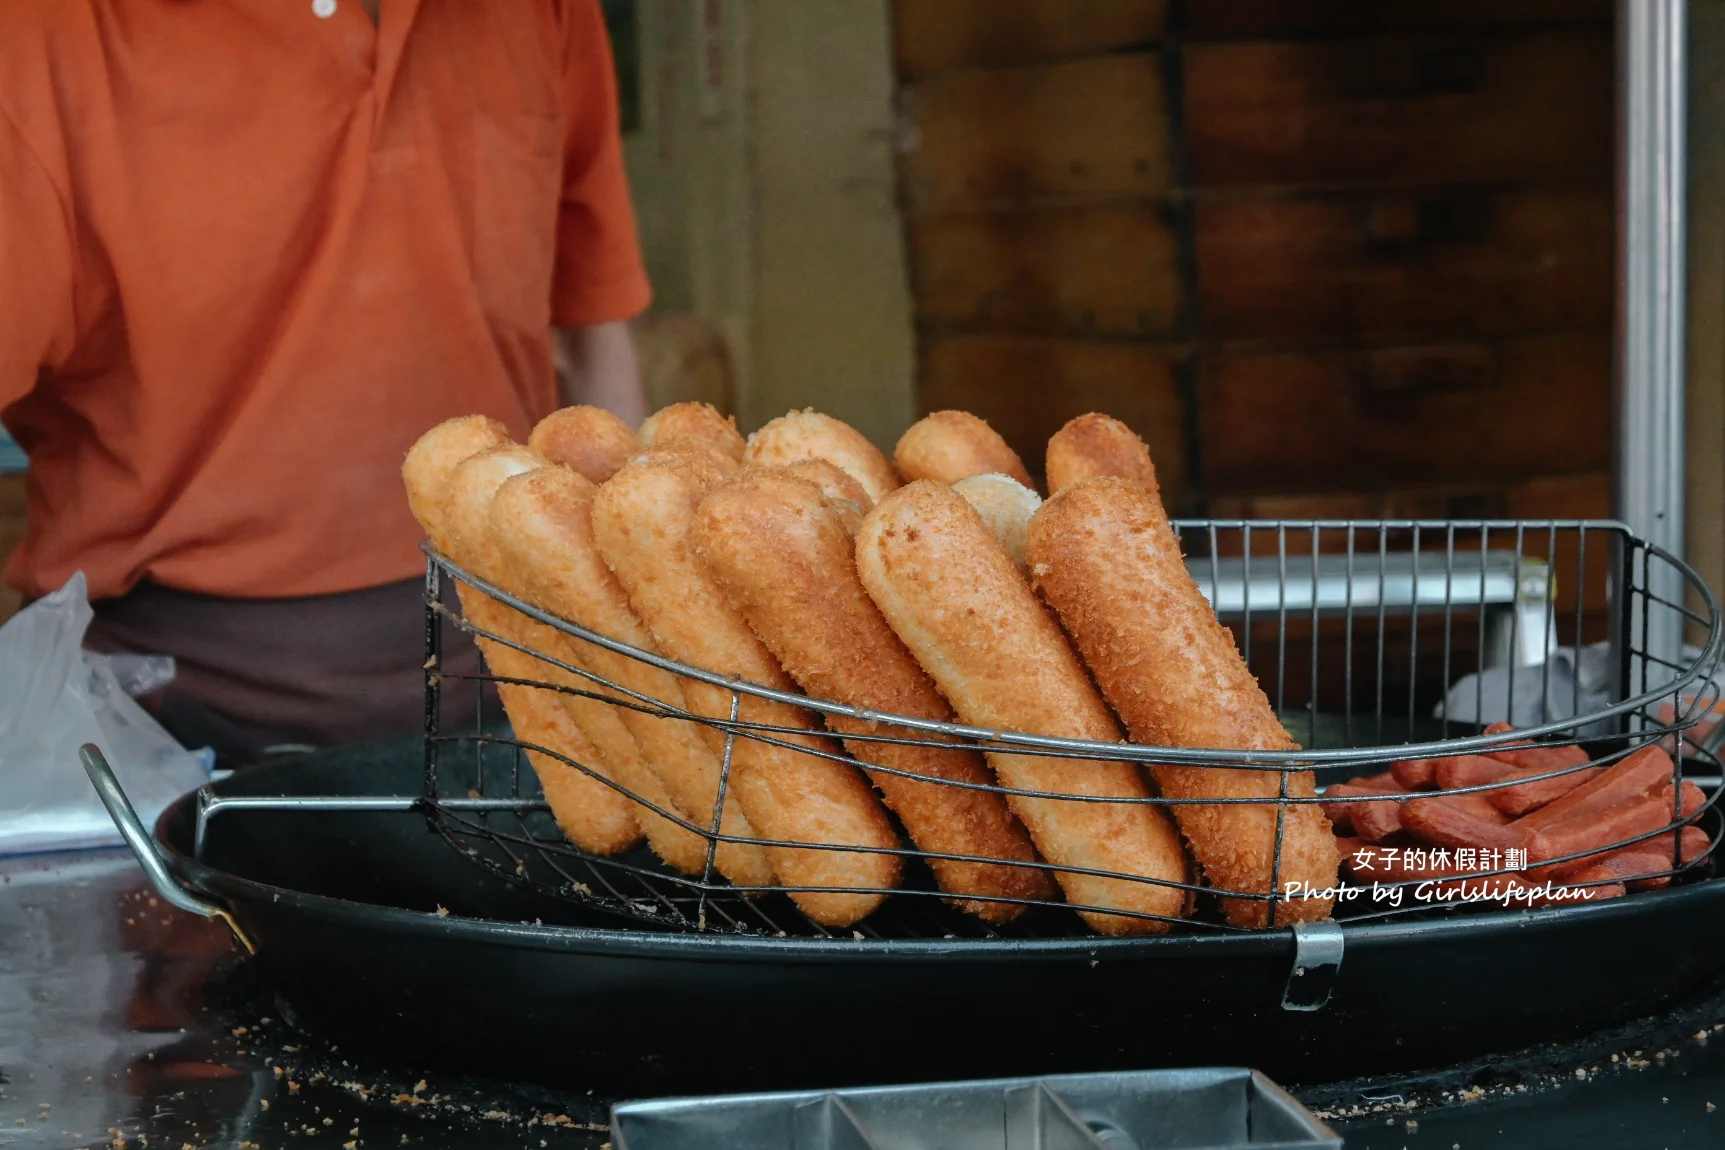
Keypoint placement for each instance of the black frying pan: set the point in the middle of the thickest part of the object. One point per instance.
(342, 909)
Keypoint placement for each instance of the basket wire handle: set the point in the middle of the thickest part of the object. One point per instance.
(120, 809)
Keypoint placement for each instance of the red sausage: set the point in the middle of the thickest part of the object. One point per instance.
(1538, 765)
(1382, 824)
(1474, 804)
(1637, 774)
(1415, 774)
(1593, 834)
(1443, 824)
(1469, 771)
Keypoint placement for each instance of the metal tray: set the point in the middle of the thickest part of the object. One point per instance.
(1196, 1109)
(378, 933)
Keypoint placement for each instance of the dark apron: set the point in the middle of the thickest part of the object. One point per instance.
(257, 678)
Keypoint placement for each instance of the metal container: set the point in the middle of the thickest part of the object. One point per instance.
(1196, 1109)
(1346, 624)
(376, 933)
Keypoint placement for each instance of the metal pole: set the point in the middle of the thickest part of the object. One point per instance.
(1648, 489)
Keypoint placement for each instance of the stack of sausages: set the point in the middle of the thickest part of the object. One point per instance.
(1561, 817)
(936, 585)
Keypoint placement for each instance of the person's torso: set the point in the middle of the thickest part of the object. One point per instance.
(301, 240)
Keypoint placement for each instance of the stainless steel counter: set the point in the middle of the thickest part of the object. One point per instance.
(125, 1022)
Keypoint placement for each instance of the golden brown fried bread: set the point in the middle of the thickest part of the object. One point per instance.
(808, 434)
(642, 522)
(1103, 555)
(596, 816)
(612, 750)
(579, 803)
(542, 524)
(944, 584)
(785, 559)
(588, 440)
(845, 494)
(467, 502)
(1094, 445)
(834, 483)
(472, 487)
(433, 459)
(1006, 505)
(697, 421)
(714, 465)
(618, 756)
(947, 446)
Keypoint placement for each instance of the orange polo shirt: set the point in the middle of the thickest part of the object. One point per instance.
(251, 249)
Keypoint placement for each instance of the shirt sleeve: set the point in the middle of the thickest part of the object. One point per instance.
(37, 322)
(599, 275)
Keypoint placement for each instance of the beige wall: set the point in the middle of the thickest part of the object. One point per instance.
(832, 321)
(763, 178)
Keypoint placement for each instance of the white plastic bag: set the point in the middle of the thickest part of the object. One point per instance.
(1577, 682)
(55, 697)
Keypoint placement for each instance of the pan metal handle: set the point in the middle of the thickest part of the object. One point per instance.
(120, 809)
(1318, 950)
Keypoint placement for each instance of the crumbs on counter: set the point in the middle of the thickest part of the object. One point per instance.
(309, 1062)
(1532, 1081)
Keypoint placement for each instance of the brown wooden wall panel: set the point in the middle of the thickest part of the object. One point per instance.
(1028, 388)
(1385, 503)
(1094, 270)
(932, 36)
(1401, 110)
(1580, 496)
(1090, 127)
(1404, 266)
(1585, 496)
(1395, 220)
(1246, 19)
(1449, 415)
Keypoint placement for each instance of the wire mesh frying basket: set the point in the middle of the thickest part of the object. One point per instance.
(1376, 642)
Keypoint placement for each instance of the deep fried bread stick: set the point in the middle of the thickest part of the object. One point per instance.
(951, 445)
(1095, 445)
(786, 560)
(642, 521)
(845, 494)
(589, 440)
(1104, 556)
(594, 816)
(472, 490)
(542, 524)
(697, 421)
(808, 434)
(433, 459)
(950, 592)
(1006, 505)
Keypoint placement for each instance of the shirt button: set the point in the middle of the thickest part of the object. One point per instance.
(323, 9)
